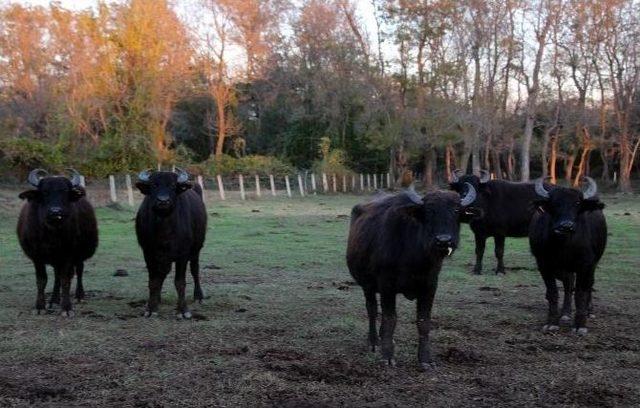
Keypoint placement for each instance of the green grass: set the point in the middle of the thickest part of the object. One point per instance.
(282, 324)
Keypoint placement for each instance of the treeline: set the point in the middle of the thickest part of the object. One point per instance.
(520, 88)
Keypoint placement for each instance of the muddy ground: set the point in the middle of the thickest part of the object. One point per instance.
(283, 324)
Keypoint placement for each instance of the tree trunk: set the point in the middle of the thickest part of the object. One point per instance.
(554, 158)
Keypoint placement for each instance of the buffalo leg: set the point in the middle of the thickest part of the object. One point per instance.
(552, 298)
(499, 244)
(79, 286)
(55, 293)
(584, 285)
(65, 274)
(198, 296)
(481, 241)
(182, 311)
(424, 304)
(41, 284)
(387, 327)
(372, 313)
(157, 274)
(567, 282)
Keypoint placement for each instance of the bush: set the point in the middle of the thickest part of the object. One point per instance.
(333, 160)
(253, 164)
(24, 154)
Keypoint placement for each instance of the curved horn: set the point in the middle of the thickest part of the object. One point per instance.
(183, 176)
(542, 192)
(144, 175)
(35, 176)
(75, 177)
(484, 176)
(470, 197)
(592, 188)
(455, 176)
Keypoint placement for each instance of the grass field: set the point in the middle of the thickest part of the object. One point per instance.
(283, 324)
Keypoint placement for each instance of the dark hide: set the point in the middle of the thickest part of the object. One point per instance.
(504, 210)
(568, 235)
(396, 245)
(57, 226)
(170, 225)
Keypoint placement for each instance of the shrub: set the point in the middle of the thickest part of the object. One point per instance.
(24, 154)
(253, 164)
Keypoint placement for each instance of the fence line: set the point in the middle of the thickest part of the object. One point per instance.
(121, 187)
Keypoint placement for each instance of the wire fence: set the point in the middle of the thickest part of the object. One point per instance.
(120, 189)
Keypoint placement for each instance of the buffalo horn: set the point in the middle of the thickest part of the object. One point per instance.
(592, 188)
(455, 176)
(183, 176)
(470, 197)
(484, 176)
(540, 190)
(35, 176)
(75, 177)
(144, 175)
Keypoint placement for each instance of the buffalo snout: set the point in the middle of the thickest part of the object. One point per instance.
(565, 227)
(55, 214)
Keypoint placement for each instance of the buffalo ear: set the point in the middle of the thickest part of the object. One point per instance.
(591, 205)
(182, 187)
(144, 187)
(77, 193)
(29, 195)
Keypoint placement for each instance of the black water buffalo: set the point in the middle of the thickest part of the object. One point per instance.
(57, 226)
(170, 226)
(568, 234)
(504, 210)
(396, 245)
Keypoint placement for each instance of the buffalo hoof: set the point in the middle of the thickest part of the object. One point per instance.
(67, 313)
(148, 313)
(184, 315)
(476, 272)
(565, 320)
(581, 331)
(500, 271)
(53, 306)
(389, 362)
(37, 312)
(549, 328)
(426, 367)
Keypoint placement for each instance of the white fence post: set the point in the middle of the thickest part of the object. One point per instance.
(344, 183)
(241, 182)
(273, 185)
(335, 187)
(361, 182)
(375, 181)
(220, 186)
(127, 180)
(300, 186)
(112, 187)
(353, 183)
(258, 194)
(286, 180)
(388, 180)
(325, 184)
(368, 182)
(313, 183)
(201, 183)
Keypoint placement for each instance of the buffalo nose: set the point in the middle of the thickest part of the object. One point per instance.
(54, 213)
(567, 226)
(163, 200)
(443, 238)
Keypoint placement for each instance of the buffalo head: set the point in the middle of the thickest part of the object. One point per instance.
(163, 187)
(53, 194)
(441, 212)
(459, 182)
(565, 204)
